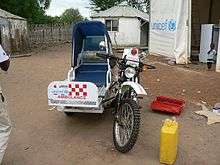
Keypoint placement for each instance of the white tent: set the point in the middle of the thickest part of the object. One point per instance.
(175, 27)
(169, 30)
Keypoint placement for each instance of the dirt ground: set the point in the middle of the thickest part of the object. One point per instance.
(42, 137)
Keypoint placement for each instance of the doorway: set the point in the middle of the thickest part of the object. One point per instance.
(202, 12)
(144, 34)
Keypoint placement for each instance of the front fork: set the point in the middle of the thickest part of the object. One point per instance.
(121, 96)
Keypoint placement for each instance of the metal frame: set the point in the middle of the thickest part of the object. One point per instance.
(80, 110)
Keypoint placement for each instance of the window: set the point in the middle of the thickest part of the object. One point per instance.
(112, 25)
(90, 48)
(91, 43)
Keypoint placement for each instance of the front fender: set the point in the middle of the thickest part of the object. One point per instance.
(137, 87)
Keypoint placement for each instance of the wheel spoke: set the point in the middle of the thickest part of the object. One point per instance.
(127, 121)
(124, 138)
(124, 124)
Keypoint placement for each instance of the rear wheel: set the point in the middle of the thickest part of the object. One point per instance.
(126, 126)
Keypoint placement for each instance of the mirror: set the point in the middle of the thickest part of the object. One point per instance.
(102, 45)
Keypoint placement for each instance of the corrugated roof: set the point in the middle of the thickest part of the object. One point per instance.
(122, 11)
(5, 14)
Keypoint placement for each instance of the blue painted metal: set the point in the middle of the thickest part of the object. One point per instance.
(83, 29)
(92, 73)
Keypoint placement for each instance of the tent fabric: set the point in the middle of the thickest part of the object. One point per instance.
(169, 30)
(83, 29)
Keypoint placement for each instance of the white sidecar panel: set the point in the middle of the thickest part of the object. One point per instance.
(73, 94)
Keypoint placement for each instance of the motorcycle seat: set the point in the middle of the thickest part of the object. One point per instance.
(95, 73)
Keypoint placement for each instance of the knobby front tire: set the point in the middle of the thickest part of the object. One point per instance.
(135, 128)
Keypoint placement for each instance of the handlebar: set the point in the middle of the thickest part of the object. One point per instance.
(106, 55)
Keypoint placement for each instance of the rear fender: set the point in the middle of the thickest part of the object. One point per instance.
(137, 87)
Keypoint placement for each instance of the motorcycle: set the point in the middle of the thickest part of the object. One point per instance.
(91, 86)
(123, 97)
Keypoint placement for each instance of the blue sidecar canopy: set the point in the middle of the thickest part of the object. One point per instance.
(83, 29)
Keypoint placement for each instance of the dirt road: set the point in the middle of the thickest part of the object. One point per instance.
(42, 137)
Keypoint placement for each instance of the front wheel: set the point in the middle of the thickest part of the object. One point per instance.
(126, 126)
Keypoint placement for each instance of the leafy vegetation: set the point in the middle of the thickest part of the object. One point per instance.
(34, 11)
(71, 14)
(100, 5)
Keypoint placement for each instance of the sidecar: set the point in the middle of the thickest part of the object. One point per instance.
(89, 76)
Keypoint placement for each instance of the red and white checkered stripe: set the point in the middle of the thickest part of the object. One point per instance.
(78, 90)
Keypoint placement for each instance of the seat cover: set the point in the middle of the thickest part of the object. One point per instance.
(95, 73)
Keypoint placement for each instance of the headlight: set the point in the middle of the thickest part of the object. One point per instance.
(130, 72)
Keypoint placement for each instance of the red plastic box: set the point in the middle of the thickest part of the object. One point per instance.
(167, 104)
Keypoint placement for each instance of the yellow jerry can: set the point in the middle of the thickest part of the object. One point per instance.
(168, 142)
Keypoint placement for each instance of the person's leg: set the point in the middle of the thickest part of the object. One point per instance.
(5, 129)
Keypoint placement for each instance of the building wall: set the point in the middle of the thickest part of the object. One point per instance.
(5, 37)
(128, 34)
(14, 35)
(19, 35)
(49, 34)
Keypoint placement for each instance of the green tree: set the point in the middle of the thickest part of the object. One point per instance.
(71, 15)
(100, 5)
(143, 5)
(45, 4)
(33, 10)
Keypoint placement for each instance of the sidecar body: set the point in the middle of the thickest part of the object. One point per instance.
(89, 76)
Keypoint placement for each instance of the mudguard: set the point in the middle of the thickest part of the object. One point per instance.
(137, 87)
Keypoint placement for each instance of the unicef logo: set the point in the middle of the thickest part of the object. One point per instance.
(172, 25)
(167, 25)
